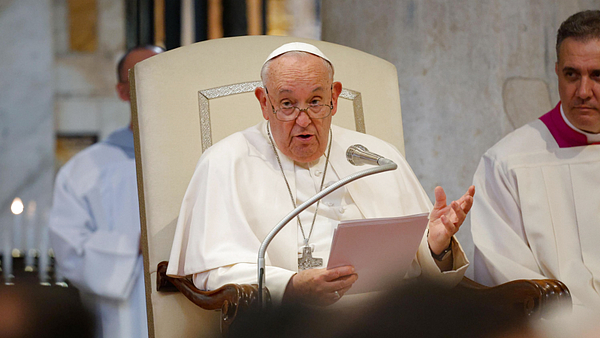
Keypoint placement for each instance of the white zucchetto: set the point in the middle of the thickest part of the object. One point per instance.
(297, 47)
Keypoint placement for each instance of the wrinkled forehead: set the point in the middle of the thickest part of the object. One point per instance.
(295, 68)
(578, 49)
(298, 69)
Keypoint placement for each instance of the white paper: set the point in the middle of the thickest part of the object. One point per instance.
(380, 249)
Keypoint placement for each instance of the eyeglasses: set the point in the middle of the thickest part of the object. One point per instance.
(290, 113)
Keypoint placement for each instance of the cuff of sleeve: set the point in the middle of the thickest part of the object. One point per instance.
(431, 271)
(245, 273)
(277, 281)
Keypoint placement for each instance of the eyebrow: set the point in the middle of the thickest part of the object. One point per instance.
(576, 70)
(570, 69)
(289, 91)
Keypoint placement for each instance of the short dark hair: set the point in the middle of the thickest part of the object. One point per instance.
(121, 62)
(581, 26)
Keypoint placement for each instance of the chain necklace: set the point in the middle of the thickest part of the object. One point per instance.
(306, 261)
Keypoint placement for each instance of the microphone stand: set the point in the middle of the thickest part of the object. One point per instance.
(386, 166)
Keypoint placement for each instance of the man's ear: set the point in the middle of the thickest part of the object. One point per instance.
(261, 95)
(335, 94)
(123, 91)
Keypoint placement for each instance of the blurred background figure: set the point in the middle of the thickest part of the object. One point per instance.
(95, 227)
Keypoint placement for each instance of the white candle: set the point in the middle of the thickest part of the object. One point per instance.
(9, 241)
(17, 209)
(30, 236)
(59, 279)
(44, 259)
(7, 254)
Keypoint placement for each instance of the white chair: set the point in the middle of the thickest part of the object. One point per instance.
(185, 100)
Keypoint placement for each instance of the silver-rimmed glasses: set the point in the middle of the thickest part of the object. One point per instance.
(290, 113)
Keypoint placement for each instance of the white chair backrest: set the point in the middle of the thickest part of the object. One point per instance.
(188, 98)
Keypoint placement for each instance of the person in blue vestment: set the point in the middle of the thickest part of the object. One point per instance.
(95, 227)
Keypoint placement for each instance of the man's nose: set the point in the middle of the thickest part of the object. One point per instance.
(303, 120)
(584, 90)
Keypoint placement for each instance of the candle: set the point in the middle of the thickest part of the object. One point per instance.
(59, 279)
(30, 251)
(7, 255)
(44, 259)
(8, 243)
(17, 209)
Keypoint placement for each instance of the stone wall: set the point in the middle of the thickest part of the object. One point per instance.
(453, 59)
(26, 105)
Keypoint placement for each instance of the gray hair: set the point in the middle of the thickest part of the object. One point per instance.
(582, 26)
(265, 71)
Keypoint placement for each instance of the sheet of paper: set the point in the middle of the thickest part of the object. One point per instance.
(380, 249)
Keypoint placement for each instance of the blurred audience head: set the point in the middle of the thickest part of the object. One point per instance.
(32, 311)
(416, 310)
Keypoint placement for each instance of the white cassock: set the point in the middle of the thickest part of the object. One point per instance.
(536, 213)
(237, 195)
(95, 232)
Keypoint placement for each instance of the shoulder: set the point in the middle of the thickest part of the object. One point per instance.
(89, 164)
(346, 137)
(347, 133)
(231, 146)
(235, 147)
(531, 138)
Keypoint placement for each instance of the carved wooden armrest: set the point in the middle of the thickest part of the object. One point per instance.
(229, 298)
(532, 297)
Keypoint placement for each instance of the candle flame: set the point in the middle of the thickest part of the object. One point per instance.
(17, 206)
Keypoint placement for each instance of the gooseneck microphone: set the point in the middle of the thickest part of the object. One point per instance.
(357, 155)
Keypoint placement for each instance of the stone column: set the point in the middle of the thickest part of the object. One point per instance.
(453, 59)
(26, 105)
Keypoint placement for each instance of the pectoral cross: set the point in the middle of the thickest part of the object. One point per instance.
(307, 261)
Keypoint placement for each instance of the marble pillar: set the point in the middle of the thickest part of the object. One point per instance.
(26, 105)
(453, 60)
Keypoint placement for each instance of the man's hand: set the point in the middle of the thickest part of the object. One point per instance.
(320, 286)
(445, 220)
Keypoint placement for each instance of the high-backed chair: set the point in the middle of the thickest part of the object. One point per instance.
(185, 100)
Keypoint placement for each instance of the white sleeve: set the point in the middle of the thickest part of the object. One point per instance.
(425, 267)
(502, 252)
(245, 273)
(93, 258)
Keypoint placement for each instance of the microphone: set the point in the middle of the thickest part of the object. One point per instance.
(358, 155)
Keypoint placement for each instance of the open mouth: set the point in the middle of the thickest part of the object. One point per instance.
(304, 136)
